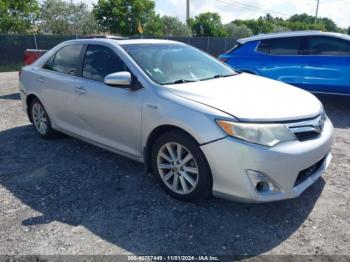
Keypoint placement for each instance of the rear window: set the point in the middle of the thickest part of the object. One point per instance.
(67, 60)
(280, 46)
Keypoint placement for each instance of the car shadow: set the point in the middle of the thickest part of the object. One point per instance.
(337, 108)
(14, 96)
(81, 185)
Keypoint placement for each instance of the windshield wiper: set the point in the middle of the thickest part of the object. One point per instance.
(180, 81)
(217, 76)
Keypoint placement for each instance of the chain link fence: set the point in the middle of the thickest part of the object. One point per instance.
(12, 46)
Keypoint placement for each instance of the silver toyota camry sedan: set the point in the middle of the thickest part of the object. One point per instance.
(201, 128)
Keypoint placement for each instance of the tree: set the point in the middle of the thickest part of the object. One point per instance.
(264, 24)
(82, 19)
(280, 28)
(237, 31)
(172, 26)
(60, 17)
(329, 24)
(300, 26)
(153, 27)
(309, 22)
(17, 16)
(123, 16)
(348, 31)
(303, 18)
(207, 24)
(268, 24)
(252, 24)
(54, 17)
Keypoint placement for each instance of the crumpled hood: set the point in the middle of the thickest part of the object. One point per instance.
(252, 98)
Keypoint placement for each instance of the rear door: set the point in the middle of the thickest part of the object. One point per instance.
(58, 79)
(327, 65)
(280, 59)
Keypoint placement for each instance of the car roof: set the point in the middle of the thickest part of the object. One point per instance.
(122, 41)
(291, 34)
(146, 41)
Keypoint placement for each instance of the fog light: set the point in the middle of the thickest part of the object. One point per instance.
(262, 183)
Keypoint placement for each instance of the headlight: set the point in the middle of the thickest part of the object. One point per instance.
(263, 134)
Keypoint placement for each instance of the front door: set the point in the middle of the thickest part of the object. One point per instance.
(327, 65)
(280, 59)
(108, 115)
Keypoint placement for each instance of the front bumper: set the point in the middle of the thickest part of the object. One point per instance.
(229, 159)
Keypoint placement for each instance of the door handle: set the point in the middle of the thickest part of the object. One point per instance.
(41, 79)
(80, 90)
(152, 106)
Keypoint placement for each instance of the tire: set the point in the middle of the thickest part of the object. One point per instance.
(189, 181)
(40, 119)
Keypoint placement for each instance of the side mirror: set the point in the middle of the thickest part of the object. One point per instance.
(122, 79)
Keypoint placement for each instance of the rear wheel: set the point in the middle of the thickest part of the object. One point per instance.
(181, 167)
(41, 120)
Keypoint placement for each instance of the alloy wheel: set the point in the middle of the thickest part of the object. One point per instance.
(177, 168)
(40, 118)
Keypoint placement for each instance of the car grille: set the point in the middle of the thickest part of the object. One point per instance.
(306, 173)
(308, 129)
(308, 135)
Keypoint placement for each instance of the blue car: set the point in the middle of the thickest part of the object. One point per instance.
(315, 61)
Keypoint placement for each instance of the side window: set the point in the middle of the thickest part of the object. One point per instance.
(67, 60)
(49, 63)
(264, 47)
(280, 46)
(328, 46)
(101, 61)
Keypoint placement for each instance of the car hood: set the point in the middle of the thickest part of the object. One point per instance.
(252, 98)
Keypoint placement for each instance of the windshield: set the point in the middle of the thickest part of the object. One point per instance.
(176, 63)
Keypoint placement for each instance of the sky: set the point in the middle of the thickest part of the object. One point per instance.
(337, 10)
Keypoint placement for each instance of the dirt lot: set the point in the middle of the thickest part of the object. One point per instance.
(66, 197)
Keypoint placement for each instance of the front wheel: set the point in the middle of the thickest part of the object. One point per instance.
(181, 167)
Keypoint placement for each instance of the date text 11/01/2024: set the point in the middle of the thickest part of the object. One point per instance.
(173, 258)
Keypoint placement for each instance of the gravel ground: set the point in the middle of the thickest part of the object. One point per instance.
(67, 197)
